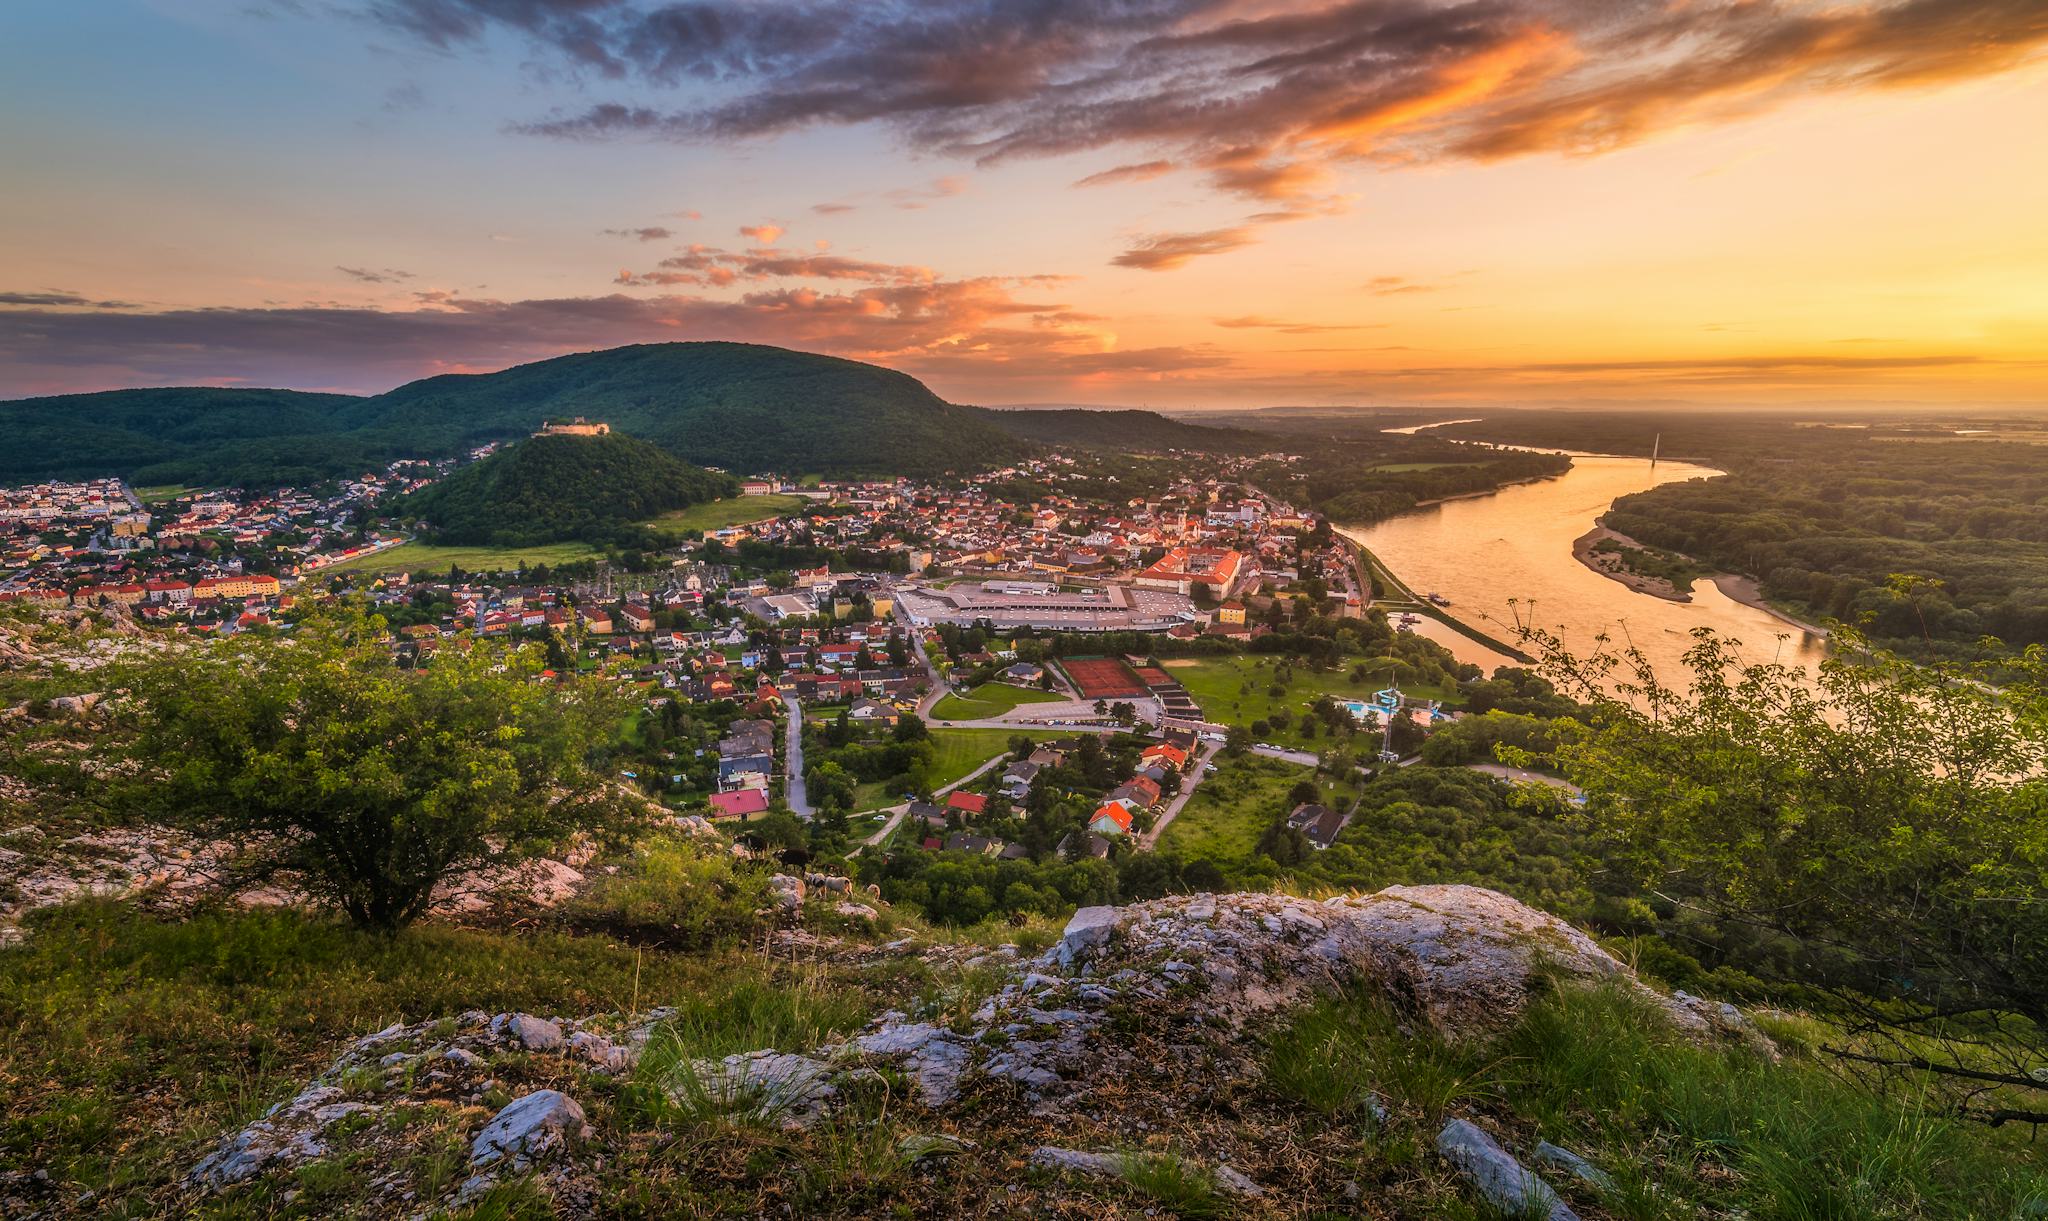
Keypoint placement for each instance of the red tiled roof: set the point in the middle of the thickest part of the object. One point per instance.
(740, 802)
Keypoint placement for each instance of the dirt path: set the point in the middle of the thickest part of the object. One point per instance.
(1150, 839)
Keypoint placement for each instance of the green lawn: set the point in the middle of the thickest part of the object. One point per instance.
(990, 700)
(959, 751)
(955, 752)
(1232, 808)
(718, 514)
(426, 557)
(1218, 683)
(162, 492)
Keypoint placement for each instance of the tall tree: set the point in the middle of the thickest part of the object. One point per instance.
(363, 784)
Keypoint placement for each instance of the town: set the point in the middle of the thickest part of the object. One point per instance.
(912, 663)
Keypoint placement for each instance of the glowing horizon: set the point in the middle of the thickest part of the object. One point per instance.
(1168, 203)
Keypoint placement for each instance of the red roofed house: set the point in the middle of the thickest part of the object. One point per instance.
(1167, 754)
(739, 803)
(967, 803)
(1111, 818)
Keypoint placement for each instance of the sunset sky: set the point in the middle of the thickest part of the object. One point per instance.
(1167, 203)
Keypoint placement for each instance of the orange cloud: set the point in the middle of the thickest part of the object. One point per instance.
(1141, 172)
(1165, 251)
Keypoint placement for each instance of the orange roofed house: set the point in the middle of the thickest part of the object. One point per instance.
(1110, 818)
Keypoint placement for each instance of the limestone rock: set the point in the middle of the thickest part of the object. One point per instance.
(780, 1087)
(1078, 1161)
(1468, 957)
(1501, 1180)
(1090, 929)
(529, 1129)
(787, 892)
(934, 1058)
(1233, 1181)
(1547, 1154)
(528, 1031)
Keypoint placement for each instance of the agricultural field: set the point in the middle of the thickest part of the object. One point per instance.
(718, 514)
(428, 557)
(990, 700)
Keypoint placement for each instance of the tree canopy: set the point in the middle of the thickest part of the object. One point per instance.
(561, 488)
(1885, 819)
(361, 783)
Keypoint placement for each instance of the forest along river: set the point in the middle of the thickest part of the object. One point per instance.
(1479, 552)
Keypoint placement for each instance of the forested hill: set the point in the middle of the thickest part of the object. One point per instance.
(181, 434)
(746, 407)
(556, 488)
(1127, 430)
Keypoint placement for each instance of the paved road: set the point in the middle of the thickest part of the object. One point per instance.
(1150, 839)
(1300, 757)
(896, 812)
(1523, 776)
(799, 800)
(1041, 716)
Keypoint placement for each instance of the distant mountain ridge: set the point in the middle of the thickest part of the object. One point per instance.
(746, 407)
(743, 407)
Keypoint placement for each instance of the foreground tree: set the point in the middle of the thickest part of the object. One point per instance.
(1882, 825)
(363, 784)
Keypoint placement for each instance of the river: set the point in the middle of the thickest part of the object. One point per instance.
(1482, 551)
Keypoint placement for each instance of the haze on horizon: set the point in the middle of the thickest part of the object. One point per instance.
(1171, 203)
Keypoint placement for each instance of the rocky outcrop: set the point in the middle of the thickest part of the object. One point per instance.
(1208, 974)
(441, 1064)
(1464, 958)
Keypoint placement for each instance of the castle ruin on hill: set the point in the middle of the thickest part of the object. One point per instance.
(578, 427)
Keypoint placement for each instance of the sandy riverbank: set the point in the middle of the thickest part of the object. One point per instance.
(1609, 565)
(1746, 591)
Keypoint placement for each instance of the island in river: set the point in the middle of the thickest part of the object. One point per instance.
(1504, 561)
(1647, 570)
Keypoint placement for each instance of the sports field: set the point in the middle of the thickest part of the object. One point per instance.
(1101, 678)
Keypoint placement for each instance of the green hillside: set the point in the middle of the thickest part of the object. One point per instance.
(746, 407)
(743, 407)
(552, 489)
(190, 434)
